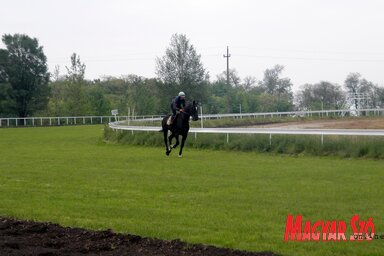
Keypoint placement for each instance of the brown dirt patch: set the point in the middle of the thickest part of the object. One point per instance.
(358, 123)
(36, 238)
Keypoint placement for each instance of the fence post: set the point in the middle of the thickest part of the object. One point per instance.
(201, 114)
(322, 139)
(270, 139)
(227, 138)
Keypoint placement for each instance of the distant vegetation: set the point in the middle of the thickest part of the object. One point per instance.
(27, 89)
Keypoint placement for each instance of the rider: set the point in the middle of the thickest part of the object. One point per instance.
(178, 103)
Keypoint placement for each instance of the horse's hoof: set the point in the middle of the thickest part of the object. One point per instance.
(180, 156)
(167, 153)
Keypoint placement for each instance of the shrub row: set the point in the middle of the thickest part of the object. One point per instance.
(343, 146)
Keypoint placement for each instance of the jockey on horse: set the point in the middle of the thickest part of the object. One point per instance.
(177, 105)
(178, 123)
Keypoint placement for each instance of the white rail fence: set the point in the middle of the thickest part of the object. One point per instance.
(81, 120)
(55, 121)
(317, 113)
(268, 131)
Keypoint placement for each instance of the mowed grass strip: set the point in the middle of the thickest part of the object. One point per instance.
(69, 176)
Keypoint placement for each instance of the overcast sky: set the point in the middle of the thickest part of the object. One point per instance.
(314, 39)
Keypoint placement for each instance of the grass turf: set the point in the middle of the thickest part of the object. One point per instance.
(69, 176)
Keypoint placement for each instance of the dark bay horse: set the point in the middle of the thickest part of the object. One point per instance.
(180, 126)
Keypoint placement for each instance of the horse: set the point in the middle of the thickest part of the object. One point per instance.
(180, 126)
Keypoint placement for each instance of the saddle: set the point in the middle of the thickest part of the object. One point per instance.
(170, 121)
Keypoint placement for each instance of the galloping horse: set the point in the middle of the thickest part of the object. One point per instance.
(180, 126)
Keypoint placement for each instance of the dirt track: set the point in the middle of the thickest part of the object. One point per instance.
(34, 238)
(357, 123)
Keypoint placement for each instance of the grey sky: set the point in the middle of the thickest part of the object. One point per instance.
(314, 39)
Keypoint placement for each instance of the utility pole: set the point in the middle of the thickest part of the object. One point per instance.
(227, 56)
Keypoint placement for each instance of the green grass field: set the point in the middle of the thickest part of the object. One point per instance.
(68, 175)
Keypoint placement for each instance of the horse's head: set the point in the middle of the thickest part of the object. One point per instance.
(194, 111)
(191, 110)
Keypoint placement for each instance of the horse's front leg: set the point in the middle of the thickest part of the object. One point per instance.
(170, 141)
(184, 137)
(167, 149)
(177, 141)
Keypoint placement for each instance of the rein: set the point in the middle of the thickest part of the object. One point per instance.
(188, 114)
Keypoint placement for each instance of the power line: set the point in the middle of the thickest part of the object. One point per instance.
(314, 51)
(311, 59)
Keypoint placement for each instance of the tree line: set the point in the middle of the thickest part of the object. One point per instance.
(28, 89)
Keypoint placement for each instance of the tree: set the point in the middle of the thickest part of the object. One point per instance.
(55, 76)
(359, 88)
(378, 99)
(279, 88)
(76, 72)
(181, 68)
(143, 96)
(75, 93)
(273, 84)
(352, 83)
(72, 95)
(249, 82)
(234, 78)
(323, 95)
(220, 88)
(268, 103)
(99, 104)
(6, 103)
(23, 65)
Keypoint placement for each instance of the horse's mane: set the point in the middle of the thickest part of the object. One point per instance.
(188, 104)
